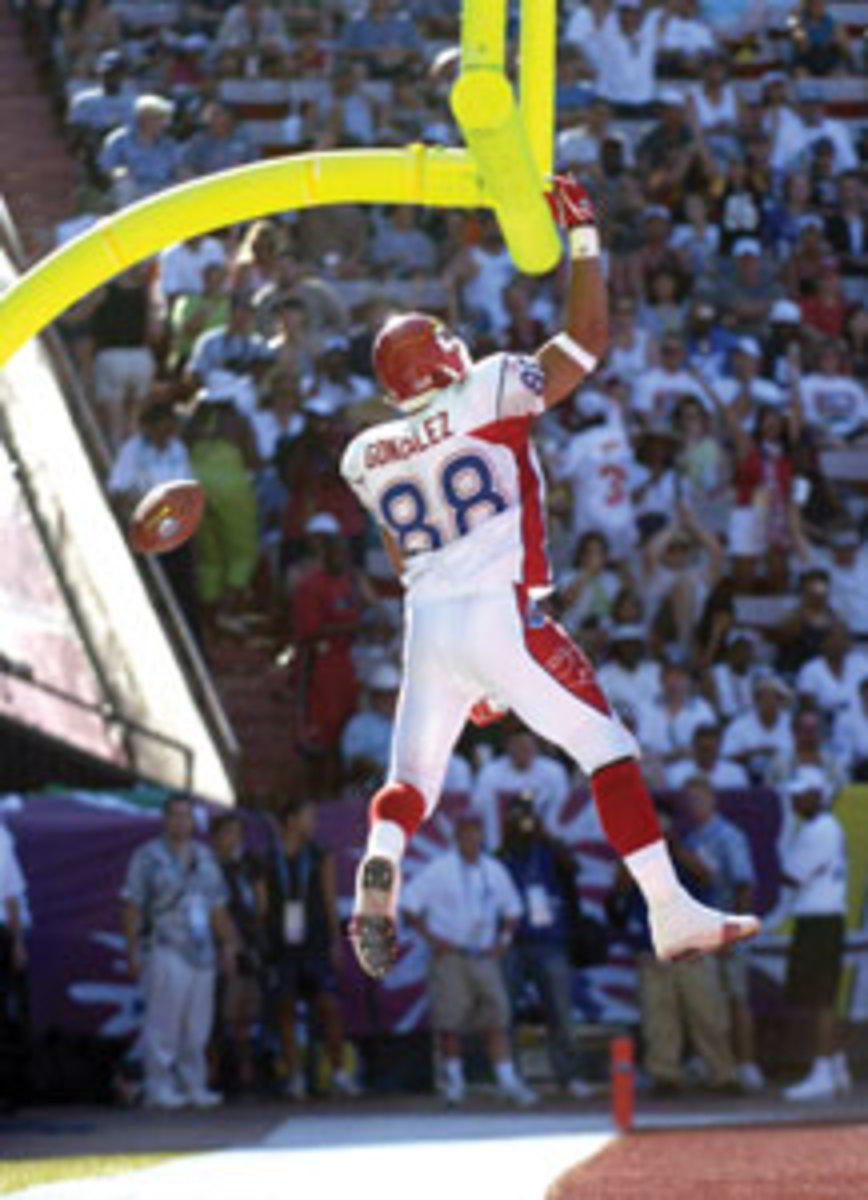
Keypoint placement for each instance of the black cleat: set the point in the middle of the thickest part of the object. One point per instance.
(373, 929)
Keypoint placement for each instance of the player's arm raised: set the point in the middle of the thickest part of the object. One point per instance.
(574, 353)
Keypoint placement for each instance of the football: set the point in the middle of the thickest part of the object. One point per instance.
(166, 517)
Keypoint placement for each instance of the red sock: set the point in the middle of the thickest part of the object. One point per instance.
(400, 803)
(625, 807)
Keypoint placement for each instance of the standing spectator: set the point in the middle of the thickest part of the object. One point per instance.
(13, 968)
(466, 907)
(679, 1001)
(122, 326)
(543, 871)
(326, 611)
(240, 981)
(223, 452)
(174, 905)
(141, 157)
(623, 49)
(814, 866)
(763, 731)
(153, 456)
(306, 941)
(522, 771)
(725, 851)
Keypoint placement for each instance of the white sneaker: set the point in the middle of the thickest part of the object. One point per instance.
(683, 928)
(752, 1078)
(841, 1075)
(579, 1089)
(519, 1094)
(343, 1085)
(454, 1092)
(206, 1098)
(374, 929)
(166, 1098)
(818, 1084)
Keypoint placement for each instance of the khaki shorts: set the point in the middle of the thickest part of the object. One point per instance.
(467, 994)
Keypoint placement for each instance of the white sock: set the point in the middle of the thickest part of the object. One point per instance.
(453, 1069)
(387, 839)
(652, 869)
(505, 1074)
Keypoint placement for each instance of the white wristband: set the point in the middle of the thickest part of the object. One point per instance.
(573, 350)
(584, 242)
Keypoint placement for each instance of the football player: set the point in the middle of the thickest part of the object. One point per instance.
(455, 487)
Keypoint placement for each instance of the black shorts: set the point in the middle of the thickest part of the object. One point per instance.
(814, 962)
(305, 973)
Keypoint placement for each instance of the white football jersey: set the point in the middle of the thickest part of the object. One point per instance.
(599, 466)
(458, 484)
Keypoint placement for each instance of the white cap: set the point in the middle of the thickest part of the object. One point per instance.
(749, 346)
(785, 312)
(746, 246)
(384, 678)
(672, 97)
(151, 103)
(318, 406)
(808, 779)
(323, 523)
(766, 678)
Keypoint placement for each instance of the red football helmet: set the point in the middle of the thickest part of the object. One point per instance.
(415, 354)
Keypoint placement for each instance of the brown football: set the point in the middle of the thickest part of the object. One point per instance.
(168, 515)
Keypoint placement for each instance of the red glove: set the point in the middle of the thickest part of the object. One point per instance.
(487, 712)
(570, 204)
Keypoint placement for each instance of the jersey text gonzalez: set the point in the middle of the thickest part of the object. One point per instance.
(431, 432)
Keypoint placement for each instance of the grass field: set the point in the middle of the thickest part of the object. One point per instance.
(26, 1172)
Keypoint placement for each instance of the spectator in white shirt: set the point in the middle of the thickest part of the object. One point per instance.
(732, 678)
(834, 405)
(667, 727)
(816, 126)
(658, 391)
(182, 267)
(764, 731)
(847, 568)
(850, 735)
(781, 121)
(684, 40)
(745, 390)
(522, 771)
(630, 679)
(466, 907)
(812, 747)
(705, 762)
(814, 866)
(623, 50)
(832, 679)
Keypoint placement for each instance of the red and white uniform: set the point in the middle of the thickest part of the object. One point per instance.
(458, 486)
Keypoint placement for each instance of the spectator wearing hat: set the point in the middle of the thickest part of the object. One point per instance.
(850, 735)
(834, 405)
(544, 872)
(707, 343)
(705, 762)
(747, 293)
(783, 343)
(141, 158)
(846, 564)
(629, 677)
(219, 144)
(94, 111)
(814, 871)
(223, 453)
(326, 604)
(725, 851)
(252, 37)
(731, 677)
(763, 732)
(466, 907)
(523, 770)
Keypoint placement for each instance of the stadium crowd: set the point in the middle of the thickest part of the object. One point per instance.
(707, 485)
